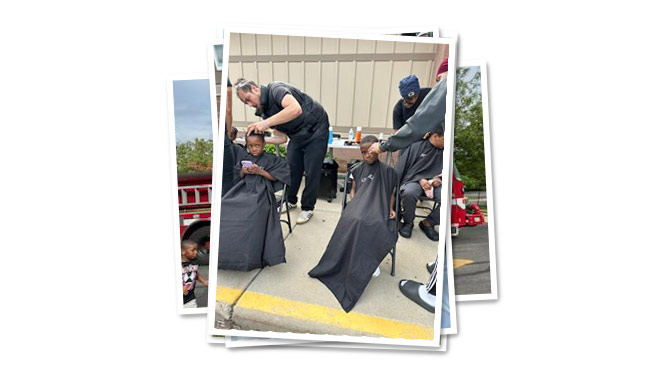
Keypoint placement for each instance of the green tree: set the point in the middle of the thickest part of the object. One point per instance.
(194, 156)
(469, 129)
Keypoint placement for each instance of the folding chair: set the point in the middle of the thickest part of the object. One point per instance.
(422, 199)
(284, 198)
(426, 208)
(346, 189)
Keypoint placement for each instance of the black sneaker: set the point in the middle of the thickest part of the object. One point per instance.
(406, 230)
(429, 231)
(430, 266)
(410, 289)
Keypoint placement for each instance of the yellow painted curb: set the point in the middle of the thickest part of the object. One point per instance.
(228, 295)
(326, 316)
(459, 262)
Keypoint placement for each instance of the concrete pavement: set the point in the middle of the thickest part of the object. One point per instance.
(285, 298)
(470, 250)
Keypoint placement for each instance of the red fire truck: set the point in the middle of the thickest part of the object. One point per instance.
(195, 202)
(462, 213)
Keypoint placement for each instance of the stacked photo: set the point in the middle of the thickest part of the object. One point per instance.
(332, 188)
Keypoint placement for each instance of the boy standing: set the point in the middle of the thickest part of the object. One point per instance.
(190, 274)
(250, 234)
(365, 232)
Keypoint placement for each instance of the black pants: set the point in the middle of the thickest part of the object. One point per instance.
(410, 194)
(229, 162)
(307, 157)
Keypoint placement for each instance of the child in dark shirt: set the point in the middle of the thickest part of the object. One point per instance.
(190, 274)
(419, 170)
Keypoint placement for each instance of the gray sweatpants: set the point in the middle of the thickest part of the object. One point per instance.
(412, 192)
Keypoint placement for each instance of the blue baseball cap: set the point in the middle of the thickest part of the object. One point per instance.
(409, 86)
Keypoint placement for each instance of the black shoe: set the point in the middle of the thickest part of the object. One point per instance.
(429, 231)
(410, 289)
(406, 230)
(430, 266)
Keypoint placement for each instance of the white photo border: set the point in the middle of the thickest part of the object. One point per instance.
(174, 189)
(493, 295)
(450, 274)
(260, 342)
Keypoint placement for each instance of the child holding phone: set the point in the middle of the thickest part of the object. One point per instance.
(250, 234)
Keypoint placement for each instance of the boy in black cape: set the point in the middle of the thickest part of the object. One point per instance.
(419, 169)
(365, 232)
(250, 232)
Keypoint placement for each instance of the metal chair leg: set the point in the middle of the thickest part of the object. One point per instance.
(283, 199)
(290, 227)
(345, 195)
(397, 219)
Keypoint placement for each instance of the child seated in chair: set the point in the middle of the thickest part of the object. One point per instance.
(365, 232)
(419, 170)
(250, 231)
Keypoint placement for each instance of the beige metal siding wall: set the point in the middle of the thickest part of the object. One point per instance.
(356, 81)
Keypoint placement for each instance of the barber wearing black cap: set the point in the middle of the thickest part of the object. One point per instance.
(295, 114)
(411, 98)
(428, 116)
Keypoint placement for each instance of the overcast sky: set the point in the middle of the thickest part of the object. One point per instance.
(473, 70)
(191, 102)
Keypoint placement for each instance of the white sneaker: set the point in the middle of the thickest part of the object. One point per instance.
(304, 217)
(377, 272)
(286, 206)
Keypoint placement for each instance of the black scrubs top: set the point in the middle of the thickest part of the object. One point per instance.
(311, 124)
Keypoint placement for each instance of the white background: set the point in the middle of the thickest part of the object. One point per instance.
(575, 94)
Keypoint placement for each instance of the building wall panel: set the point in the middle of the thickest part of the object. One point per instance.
(358, 87)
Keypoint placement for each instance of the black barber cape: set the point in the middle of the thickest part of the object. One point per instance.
(420, 160)
(363, 236)
(250, 232)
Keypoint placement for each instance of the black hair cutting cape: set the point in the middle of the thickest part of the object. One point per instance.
(420, 160)
(363, 237)
(250, 234)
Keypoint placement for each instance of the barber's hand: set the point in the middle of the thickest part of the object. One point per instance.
(375, 148)
(393, 214)
(436, 183)
(257, 127)
(425, 184)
